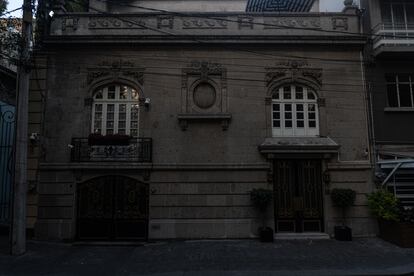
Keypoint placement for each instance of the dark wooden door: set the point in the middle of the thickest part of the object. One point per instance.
(298, 196)
(112, 208)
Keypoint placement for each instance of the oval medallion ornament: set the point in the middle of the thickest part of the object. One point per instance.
(204, 95)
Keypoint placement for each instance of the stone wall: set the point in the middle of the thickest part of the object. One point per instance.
(201, 174)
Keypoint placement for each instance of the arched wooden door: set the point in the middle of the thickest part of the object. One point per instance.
(112, 208)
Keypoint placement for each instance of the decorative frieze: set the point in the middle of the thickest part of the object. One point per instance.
(340, 23)
(292, 22)
(204, 23)
(245, 22)
(165, 22)
(115, 23)
(70, 23)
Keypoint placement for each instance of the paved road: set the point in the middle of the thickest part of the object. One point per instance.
(235, 257)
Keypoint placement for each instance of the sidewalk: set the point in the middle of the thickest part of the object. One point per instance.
(228, 257)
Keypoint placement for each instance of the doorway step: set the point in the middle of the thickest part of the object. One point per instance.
(301, 236)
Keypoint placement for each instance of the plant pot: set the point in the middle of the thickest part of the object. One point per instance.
(398, 233)
(343, 233)
(266, 234)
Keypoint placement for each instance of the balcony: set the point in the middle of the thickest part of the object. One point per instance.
(134, 150)
(393, 38)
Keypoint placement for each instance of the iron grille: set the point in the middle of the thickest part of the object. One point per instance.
(136, 150)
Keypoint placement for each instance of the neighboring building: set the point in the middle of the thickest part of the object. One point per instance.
(218, 103)
(9, 29)
(390, 76)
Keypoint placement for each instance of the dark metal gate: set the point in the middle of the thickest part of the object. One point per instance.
(7, 124)
(112, 208)
(298, 196)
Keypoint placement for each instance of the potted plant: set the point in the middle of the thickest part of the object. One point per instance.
(261, 199)
(343, 198)
(396, 223)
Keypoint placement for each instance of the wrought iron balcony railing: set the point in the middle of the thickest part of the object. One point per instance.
(136, 150)
(391, 35)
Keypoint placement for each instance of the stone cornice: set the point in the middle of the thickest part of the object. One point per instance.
(314, 28)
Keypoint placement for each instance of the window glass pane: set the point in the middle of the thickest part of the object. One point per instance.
(311, 107)
(121, 125)
(276, 123)
(275, 95)
(300, 116)
(405, 95)
(392, 95)
(123, 93)
(134, 94)
(399, 16)
(410, 14)
(403, 78)
(287, 95)
(288, 115)
(386, 14)
(390, 78)
(299, 107)
(276, 115)
(288, 124)
(299, 93)
(98, 95)
(300, 124)
(98, 108)
(312, 124)
(134, 112)
(288, 107)
(311, 96)
(111, 92)
(111, 108)
(276, 107)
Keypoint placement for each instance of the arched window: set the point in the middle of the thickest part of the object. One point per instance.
(294, 111)
(115, 110)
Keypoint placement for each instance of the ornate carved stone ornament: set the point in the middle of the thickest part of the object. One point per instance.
(203, 23)
(294, 71)
(292, 22)
(340, 23)
(165, 22)
(245, 22)
(204, 94)
(119, 69)
(70, 23)
(115, 23)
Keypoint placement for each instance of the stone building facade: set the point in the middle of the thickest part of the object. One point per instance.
(390, 78)
(218, 104)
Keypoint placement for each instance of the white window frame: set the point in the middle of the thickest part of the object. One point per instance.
(397, 83)
(104, 101)
(278, 99)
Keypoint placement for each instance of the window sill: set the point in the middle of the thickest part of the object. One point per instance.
(223, 118)
(399, 109)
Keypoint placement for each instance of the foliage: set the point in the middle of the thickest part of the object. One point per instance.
(261, 198)
(3, 6)
(10, 41)
(343, 197)
(384, 205)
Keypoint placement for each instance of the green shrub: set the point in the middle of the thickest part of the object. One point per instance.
(384, 205)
